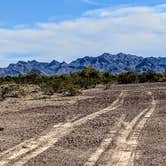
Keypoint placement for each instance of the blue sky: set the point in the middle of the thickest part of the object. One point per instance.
(32, 11)
(68, 29)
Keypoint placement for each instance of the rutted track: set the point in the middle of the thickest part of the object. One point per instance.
(105, 144)
(126, 142)
(23, 152)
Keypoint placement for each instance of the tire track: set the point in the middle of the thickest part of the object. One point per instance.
(124, 153)
(110, 137)
(20, 154)
(105, 143)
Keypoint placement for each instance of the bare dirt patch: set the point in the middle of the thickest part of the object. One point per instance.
(32, 132)
(151, 150)
(25, 124)
(44, 142)
(77, 147)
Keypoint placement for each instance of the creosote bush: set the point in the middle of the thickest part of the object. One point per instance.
(71, 84)
(71, 91)
(11, 90)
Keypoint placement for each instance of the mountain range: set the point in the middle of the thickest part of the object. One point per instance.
(106, 62)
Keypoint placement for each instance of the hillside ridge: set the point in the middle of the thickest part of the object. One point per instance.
(117, 63)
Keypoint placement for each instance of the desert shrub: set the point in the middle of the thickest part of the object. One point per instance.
(40, 98)
(107, 78)
(47, 89)
(11, 90)
(71, 90)
(70, 84)
(149, 76)
(107, 86)
(128, 77)
(163, 77)
(89, 78)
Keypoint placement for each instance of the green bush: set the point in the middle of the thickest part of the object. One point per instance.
(149, 76)
(128, 77)
(11, 90)
(70, 84)
(47, 90)
(71, 91)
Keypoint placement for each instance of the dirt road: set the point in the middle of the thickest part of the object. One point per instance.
(106, 128)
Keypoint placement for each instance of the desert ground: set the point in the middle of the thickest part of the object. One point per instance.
(121, 126)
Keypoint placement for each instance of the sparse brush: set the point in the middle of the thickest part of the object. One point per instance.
(107, 86)
(48, 90)
(40, 98)
(11, 90)
(71, 91)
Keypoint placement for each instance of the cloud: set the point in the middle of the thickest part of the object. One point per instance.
(96, 3)
(91, 2)
(137, 30)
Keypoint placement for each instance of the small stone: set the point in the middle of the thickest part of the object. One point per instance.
(1, 128)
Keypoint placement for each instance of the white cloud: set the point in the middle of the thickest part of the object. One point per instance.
(92, 2)
(137, 30)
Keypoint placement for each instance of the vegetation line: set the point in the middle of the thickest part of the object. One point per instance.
(71, 84)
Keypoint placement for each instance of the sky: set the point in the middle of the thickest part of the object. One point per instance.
(68, 29)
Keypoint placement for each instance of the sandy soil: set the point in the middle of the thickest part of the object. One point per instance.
(77, 147)
(121, 126)
(22, 125)
(151, 150)
(46, 141)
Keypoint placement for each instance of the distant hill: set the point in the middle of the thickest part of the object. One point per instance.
(106, 62)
